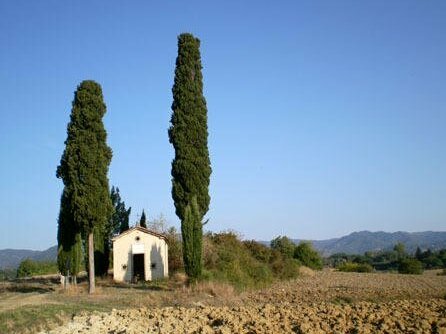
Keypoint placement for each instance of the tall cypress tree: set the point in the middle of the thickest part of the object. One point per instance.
(192, 233)
(191, 167)
(84, 166)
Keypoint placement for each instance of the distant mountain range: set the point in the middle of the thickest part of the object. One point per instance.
(354, 243)
(361, 242)
(11, 258)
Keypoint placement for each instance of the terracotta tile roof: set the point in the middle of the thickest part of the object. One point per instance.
(141, 229)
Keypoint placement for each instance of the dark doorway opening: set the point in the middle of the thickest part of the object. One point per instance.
(138, 267)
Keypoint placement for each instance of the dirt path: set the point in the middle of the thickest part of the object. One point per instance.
(328, 302)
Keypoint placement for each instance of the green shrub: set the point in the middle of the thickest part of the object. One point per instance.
(410, 266)
(227, 259)
(244, 264)
(284, 267)
(258, 250)
(283, 245)
(355, 267)
(307, 255)
(175, 257)
(29, 268)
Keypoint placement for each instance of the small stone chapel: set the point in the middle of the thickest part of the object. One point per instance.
(139, 255)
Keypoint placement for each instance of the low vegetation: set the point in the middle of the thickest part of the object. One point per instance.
(355, 267)
(7, 274)
(28, 268)
(303, 253)
(244, 264)
(410, 266)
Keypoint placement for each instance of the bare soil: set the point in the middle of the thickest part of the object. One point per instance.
(321, 302)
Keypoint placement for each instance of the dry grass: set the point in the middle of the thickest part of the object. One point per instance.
(28, 307)
(306, 272)
(214, 289)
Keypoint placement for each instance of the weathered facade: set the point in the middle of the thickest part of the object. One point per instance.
(139, 254)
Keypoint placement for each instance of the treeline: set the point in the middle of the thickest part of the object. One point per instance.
(396, 259)
(28, 268)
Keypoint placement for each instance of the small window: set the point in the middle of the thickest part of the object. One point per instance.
(137, 238)
(124, 266)
(153, 265)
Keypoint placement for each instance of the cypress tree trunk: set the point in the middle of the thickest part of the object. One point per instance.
(91, 283)
(191, 167)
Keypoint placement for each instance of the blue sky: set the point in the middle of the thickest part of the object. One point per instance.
(325, 117)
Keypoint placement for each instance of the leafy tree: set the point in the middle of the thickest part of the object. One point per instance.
(191, 167)
(84, 166)
(400, 250)
(175, 250)
(143, 220)
(307, 255)
(410, 266)
(283, 245)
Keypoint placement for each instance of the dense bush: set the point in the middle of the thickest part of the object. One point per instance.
(29, 268)
(244, 264)
(258, 250)
(226, 258)
(175, 248)
(307, 255)
(284, 267)
(304, 253)
(355, 267)
(410, 266)
(283, 245)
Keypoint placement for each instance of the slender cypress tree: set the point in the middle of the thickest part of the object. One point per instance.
(191, 167)
(143, 220)
(125, 221)
(69, 252)
(192, 232)
(119, 221)
(84, 166)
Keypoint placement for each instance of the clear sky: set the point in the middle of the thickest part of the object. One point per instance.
(325, 117)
